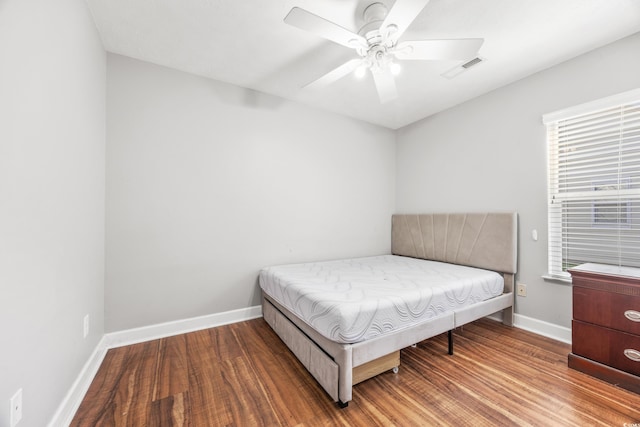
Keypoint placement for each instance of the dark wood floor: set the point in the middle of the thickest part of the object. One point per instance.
(242, 375)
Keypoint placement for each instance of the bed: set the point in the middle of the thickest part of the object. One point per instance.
(347, 320)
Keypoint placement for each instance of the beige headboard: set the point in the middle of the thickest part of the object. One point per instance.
(483, 240)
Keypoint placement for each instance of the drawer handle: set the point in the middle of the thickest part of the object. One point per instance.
(632, 354)
(632, 315)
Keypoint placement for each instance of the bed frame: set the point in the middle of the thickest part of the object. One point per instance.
(483, 240)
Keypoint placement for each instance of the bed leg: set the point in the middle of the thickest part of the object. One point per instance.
(450, 336)
(342, 404)
(507, 313)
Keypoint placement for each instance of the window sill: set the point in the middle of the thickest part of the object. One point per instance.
(557, 279)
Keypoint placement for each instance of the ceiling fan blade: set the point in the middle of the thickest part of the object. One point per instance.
(402, 15)
(335, 74)
(438, 49)
(386, 86)
(319, 26)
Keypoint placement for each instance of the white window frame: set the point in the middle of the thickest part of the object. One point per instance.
(620, 193)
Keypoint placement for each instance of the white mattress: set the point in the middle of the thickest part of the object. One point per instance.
(353, 300)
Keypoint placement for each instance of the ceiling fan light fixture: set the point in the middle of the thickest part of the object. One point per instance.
(360, 71)
(390, 30)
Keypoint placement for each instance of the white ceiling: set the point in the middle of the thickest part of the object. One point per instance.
(246, 43)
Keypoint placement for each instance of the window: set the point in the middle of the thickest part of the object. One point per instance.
(594, 183)
(611, 213)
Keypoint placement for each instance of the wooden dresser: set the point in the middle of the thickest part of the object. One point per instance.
(606, 323)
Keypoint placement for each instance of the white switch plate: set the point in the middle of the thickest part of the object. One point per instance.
(16, 408)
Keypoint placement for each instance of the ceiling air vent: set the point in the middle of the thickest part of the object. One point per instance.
(459, 69)
(471, 63)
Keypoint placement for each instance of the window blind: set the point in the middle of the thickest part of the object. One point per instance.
(594, 184)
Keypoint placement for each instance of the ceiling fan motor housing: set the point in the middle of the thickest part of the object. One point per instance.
(378, 43)
(373, 16)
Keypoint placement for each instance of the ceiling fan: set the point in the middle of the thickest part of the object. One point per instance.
(377, 43)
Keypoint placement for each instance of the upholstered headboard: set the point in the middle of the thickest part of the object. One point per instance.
(483, 240)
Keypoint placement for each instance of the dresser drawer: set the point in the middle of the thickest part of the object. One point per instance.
(613, 310)
(610, 347)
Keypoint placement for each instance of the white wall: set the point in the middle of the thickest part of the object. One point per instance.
(52, 154)
(490, 154)
(208, 182)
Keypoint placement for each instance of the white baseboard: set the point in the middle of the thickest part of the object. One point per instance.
(540, 327)
(162, 330)
(71, 403)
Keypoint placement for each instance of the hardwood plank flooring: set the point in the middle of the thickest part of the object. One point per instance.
(243, 375)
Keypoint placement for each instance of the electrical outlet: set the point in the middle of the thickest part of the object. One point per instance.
(521, 290)
(16, 408)
(85, 326)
